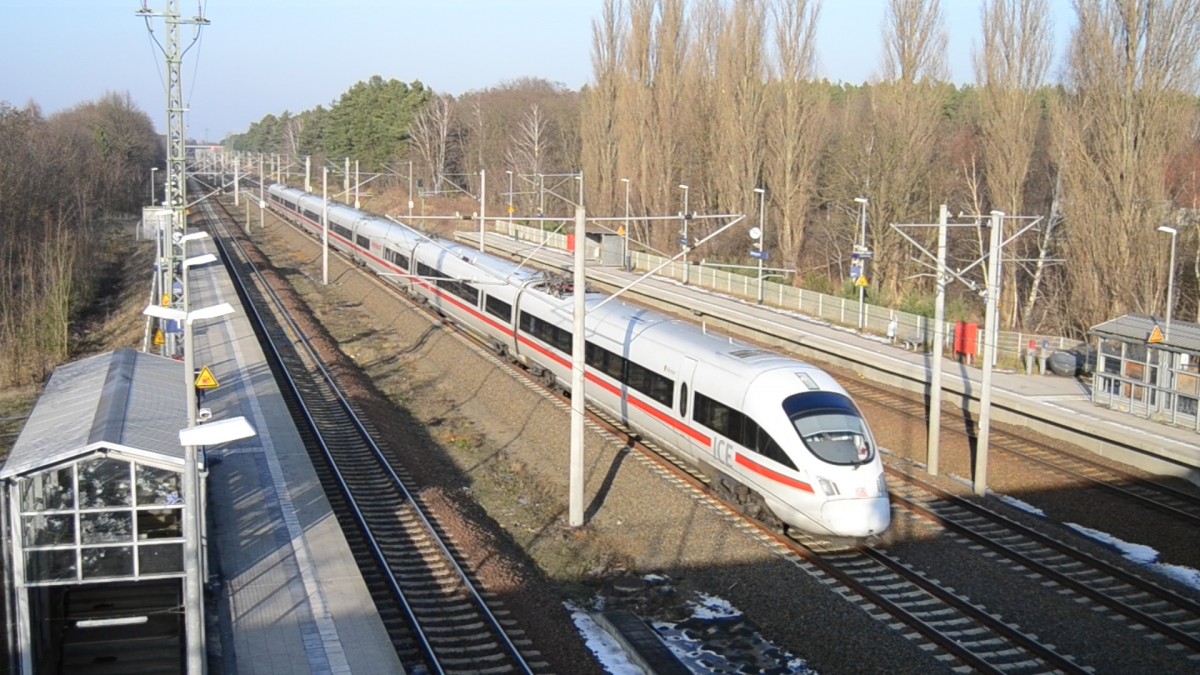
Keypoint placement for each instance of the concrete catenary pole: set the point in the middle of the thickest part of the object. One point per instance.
(325, 226)
(939, 332)
(991, 316)
(578, 400)
(177, 202)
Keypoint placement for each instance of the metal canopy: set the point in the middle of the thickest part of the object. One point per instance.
(1184, 337)
(125, 401)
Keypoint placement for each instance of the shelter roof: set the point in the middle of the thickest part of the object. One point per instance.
(123, 401)
(1184, 337)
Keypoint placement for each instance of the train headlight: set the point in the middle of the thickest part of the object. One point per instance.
(828, 487)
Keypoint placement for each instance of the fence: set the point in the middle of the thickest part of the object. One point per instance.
(911, 328)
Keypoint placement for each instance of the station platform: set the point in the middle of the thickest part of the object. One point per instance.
(1059, 407)
(290, 598)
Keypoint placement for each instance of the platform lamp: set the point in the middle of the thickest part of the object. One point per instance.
(627, 260)
(862, 289)
(683, 215)
(761, 238)
(1171, 278)
(191, 437)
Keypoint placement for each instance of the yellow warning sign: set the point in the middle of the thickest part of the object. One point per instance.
(511, 210)
(621, 231)
(205, 379)
(862, 281)
(159, 340)
(166, 299)
(1156, 336)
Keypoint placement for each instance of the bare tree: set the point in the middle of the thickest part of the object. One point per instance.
(796, 129)
(431, 136)
(529, 142)
(741, 70)
(1132, 67)
(891, 140)
(1009, 69)
(914, 41)
(293, 131)
(600, 155)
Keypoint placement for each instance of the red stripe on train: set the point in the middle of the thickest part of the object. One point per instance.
(763, 471)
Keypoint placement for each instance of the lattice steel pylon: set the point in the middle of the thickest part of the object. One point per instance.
(176, 135)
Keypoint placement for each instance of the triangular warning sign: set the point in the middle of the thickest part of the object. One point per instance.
(158, 338)
(1156, 336)
(205, 379)
(862, 281)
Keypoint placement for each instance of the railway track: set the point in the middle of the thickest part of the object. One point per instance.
(1178, 504)
(1159, 611)
(438, 619)
(960, 632)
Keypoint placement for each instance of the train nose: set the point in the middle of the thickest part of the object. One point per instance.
(857, 517)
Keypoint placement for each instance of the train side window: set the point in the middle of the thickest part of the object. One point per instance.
(498, 308)
(605, 361)
(662, 389)
(657, 387)
(758, 440)
(398, 259)
(363, 241)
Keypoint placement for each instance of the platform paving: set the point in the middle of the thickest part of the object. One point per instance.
(290, 598)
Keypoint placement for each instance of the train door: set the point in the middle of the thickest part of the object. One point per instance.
(683, 397)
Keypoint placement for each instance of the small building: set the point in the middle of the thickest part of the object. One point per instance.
(1148, 369)
(93, 509)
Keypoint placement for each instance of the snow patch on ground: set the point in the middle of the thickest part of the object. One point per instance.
(608, 652)
(1142, 555)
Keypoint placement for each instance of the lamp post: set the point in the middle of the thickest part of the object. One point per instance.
(482, 206)
(862, 288)
(762, 235)
(511, 208)
(194, 628)
(152, 170)
(1171, 277)
(625, 259)
(683, 215)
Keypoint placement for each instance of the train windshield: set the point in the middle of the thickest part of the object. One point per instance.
(830, 427)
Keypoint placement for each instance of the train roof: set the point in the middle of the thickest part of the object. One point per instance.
(617, 320)
(489, 264)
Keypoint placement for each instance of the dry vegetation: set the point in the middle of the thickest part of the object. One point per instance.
(65, 183)
(726, 97)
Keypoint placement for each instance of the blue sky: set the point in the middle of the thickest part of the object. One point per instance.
(267, 56)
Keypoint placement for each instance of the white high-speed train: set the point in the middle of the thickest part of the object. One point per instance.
(747, 416)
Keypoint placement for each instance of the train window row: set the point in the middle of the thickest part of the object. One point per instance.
(454, 286)
(639, 378)
(343, 231)
(315, 217)
(363, 241)
(546, 332)
(734, 425)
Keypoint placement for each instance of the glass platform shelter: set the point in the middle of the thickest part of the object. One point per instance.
(93, 509)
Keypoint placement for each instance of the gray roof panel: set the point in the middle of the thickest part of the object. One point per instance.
(1185, 336)
(122, 399)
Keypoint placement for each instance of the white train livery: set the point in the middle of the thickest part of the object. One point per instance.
(748, 417)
